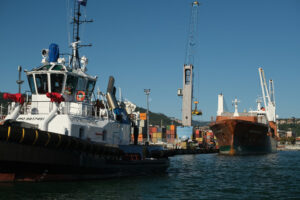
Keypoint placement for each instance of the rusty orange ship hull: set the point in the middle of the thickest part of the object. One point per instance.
(242, 137)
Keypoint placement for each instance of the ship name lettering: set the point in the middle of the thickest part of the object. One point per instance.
(35, 118)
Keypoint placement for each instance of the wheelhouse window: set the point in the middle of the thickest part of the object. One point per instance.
(90, 88)
(58, 68)
(81, 84)
(71, 84)
(31, 83)
(57, 81)
(41, 83)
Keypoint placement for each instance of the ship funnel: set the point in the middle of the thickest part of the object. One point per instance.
(220, 104)
(53, 52)
(110, 94)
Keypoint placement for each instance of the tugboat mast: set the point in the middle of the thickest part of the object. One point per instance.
(75, 61)
(20, 81)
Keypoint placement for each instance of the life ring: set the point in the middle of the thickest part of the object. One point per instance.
(80, 95)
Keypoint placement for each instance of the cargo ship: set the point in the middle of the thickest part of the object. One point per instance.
(63, 132)
(252, 132)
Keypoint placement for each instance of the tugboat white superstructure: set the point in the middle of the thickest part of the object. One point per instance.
(61, 103)
(61, 133)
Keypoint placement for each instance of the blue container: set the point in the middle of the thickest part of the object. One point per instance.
(184, 132)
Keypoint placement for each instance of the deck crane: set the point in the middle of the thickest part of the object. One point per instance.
(187, 91)
(268, 99)
(268, 96)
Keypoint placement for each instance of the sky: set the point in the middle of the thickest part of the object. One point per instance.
(143, 44)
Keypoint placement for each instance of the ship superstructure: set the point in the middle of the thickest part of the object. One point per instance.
(61, 100)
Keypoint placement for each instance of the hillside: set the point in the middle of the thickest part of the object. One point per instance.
(288, 124)
(157, 118)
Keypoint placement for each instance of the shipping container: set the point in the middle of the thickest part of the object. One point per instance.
(152, 129)
(142, 123)
(172, 127)
(140, 137)
(154, 135)
(143, 116)
(171, 140)
(140, 129)
(183, 145)
(159, 135)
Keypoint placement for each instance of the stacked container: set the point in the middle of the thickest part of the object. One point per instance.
(170, 134)
(198, 136)
(209, 137)
(140, 138)
(155, 134)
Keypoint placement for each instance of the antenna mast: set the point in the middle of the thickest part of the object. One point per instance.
(20, 81)
(75, 61)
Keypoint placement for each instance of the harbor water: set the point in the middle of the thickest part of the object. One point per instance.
(202, 176)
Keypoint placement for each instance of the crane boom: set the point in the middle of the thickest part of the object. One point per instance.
(272, 91)
(268, 96)
(193, 29)
(260, 72)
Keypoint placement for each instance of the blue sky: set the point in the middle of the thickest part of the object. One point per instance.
(142, 44)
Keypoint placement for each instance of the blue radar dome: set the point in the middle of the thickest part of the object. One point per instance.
(53, 52)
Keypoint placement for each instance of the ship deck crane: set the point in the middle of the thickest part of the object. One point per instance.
(268, 96)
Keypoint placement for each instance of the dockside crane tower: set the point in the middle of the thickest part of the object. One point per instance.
(188, 75)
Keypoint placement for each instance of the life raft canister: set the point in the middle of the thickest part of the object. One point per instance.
(80, 95)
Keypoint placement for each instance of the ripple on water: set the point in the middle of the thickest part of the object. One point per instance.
(204, 176)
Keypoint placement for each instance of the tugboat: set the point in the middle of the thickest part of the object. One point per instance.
(62, 134)
(252, 132)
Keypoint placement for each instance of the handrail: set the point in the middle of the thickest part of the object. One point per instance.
(86, 109)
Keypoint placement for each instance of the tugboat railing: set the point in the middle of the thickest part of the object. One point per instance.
(82, 109)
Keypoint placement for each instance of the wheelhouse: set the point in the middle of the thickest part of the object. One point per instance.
(61, 79)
